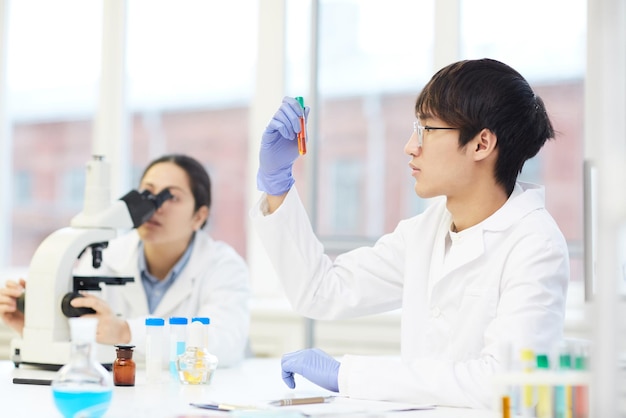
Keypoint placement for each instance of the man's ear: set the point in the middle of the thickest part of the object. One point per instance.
(484, 144)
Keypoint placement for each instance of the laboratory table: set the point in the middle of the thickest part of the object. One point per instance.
(254, 382)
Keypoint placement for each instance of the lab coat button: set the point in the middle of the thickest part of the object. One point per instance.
(435, 312)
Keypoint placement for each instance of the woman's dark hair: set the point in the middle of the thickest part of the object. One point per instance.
(476, 94)
(198, 177)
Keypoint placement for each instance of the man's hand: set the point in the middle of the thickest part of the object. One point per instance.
(313, 364)
(279, 148)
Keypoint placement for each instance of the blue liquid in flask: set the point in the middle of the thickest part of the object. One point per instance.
(81, 403)
(82, 388)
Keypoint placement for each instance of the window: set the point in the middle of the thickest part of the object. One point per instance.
(189, 88)
(52, 71)
(373, 60)
(549, 49)
(190, 72)
(22, 188)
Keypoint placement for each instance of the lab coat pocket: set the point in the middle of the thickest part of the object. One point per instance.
(479, 303)
(478, 308)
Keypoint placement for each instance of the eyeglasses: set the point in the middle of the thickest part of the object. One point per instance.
(420, 131)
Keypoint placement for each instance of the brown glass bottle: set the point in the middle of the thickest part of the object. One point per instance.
(124, 366)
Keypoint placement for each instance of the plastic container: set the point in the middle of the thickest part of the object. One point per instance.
(124, 366)
(178, 336)
(196, 366)
(155, 330)
(82, 388)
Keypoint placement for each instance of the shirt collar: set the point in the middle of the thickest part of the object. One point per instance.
(524, 199)
(174, 272)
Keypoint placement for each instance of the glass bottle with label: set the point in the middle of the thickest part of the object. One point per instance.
(124, 366)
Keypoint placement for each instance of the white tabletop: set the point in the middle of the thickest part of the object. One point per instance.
(254, 382)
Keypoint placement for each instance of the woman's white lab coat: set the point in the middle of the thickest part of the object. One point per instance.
(214, 283)
(502, 284)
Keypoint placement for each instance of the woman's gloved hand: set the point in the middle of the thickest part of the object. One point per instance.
(279, 148)
(314, 365)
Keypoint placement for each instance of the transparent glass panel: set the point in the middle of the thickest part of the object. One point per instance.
(190, 67)
(53, 67)
(548, 47)
(191, 74)
(374, 58)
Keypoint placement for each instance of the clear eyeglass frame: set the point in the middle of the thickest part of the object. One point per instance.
(419, 129)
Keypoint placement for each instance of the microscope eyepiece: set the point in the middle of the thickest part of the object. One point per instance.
(162, 197)
(142, 205)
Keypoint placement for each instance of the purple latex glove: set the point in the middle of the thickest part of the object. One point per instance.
(279, 148)
(314, 365)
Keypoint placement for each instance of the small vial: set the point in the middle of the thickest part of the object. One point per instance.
(124, 366)
(196, 366)
(302, 133)
(155, 328)
(178, 333)
(544, 392)
(528, 396)
(580, 393)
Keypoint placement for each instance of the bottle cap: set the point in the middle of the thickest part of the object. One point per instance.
(196, 335)
(124, 347)
(177, 320)
(300, 100)
(83, 329)
(565, 361)
(124, 351)
(542, 361)
(202, 319)
(155, 322)
(527, 355)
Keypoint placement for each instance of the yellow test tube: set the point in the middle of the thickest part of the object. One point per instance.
(544, 392)
(302, 133)
(528, 391)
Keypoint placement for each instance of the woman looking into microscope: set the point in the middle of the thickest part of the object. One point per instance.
(178, 269)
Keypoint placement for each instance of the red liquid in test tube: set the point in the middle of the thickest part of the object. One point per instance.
(302, 133)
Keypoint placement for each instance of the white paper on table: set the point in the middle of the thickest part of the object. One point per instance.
(345, 405)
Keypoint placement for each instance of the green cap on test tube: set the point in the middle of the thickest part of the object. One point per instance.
(542, 361)
(300, 100)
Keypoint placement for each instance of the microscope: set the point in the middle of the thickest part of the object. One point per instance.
(51, 285)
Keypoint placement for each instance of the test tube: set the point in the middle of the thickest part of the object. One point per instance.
(528, 391)
(544, 392)
(563, 393)
(178, 335)
(154, 353)
(302, 133)
(580, 393)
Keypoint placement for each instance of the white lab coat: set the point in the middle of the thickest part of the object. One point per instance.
(214, 283)
(503, 284)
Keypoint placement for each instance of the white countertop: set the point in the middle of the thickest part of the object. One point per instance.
(254, 382)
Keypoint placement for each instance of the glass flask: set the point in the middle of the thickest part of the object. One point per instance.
(82, 388)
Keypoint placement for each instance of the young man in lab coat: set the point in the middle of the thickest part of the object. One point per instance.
(481, 271)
